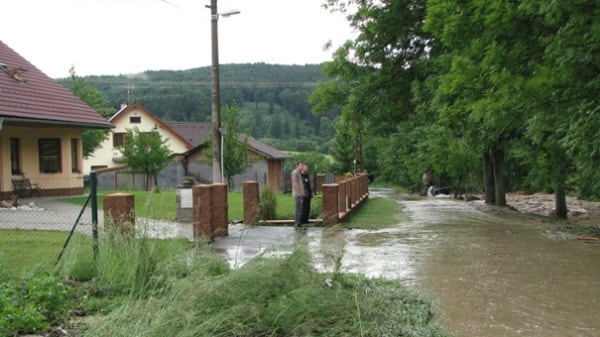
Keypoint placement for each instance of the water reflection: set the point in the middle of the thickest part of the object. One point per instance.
(492, 275)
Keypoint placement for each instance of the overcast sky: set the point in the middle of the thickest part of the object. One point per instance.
(111, 37)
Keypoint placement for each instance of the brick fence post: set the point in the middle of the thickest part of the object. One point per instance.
(330, 204)
(119, 212)
(220, 210)
(202, 213)
(251, 200)
(320, 182)
(342, 196)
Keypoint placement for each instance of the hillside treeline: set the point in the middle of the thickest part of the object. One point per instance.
(272, 100)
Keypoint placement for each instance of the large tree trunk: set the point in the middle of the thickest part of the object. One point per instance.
(560, 201)
(488, 178)
(499, 177)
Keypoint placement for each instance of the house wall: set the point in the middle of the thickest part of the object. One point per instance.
(65, 182)
(103, 156)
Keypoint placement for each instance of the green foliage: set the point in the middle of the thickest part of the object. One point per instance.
(146, 152)
(342, 148)
(439, 84)
(32, 305)
(235, 145)
(91, 139)
(267, 206)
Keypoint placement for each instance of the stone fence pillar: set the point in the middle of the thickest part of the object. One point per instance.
(119, 213)
(251, 199)
(330, 204)
(202, 213)
(320, 182)
(342, 197)
(220, 209)
(209, 211)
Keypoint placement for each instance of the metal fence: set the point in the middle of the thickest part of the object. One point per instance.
(49, 220)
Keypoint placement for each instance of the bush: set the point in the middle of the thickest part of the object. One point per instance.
(267, 204)
(33, 305)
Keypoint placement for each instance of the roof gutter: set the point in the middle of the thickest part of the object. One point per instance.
(49, 122)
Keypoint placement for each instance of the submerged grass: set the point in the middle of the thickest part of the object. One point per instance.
(376, 213)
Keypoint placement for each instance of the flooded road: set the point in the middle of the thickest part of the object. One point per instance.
(488, 275)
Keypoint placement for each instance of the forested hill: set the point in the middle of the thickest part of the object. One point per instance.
(272, 99)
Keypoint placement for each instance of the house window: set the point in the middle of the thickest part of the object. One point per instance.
(118, 139)
(15, 156)
(50, 156)
(74, 155)
(135, 120)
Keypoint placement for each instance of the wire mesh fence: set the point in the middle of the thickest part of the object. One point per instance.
(36, 226)
(45, 213)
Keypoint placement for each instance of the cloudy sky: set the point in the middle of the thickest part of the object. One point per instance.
(111, 37)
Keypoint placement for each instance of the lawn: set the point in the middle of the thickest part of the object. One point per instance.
(24, 252)
(163, 205)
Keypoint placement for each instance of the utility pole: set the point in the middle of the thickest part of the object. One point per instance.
(217, 170)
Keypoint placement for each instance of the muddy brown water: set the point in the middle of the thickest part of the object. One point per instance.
(488, 275)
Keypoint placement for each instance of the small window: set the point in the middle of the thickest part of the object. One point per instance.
(50, 156)
(15, 156)
(118, 139)
(135, 120)
(74, 155)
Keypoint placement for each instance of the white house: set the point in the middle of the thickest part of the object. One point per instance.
(131, 116)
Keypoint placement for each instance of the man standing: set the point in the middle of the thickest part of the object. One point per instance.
(298, 193)
(307, 194)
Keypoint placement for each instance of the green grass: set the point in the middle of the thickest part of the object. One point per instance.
(163, 205)
(375, 213)
(151, 288)
(23, 253)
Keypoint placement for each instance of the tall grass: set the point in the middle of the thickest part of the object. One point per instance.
(270, 297)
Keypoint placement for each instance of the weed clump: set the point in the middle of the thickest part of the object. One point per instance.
(268, 203)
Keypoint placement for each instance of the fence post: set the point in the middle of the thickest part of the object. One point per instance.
(94, 201)
(203, 212)
(220, 204)
(251, 200)
(330, 204)
(119, 212)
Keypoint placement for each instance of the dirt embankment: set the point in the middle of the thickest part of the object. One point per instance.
(583, 220)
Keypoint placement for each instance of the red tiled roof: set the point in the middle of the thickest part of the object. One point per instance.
(29, 95)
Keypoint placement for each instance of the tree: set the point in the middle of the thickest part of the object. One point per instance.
(147, 153)
(91, 139)
(493, 48)
(235, 145)
(342, 149)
